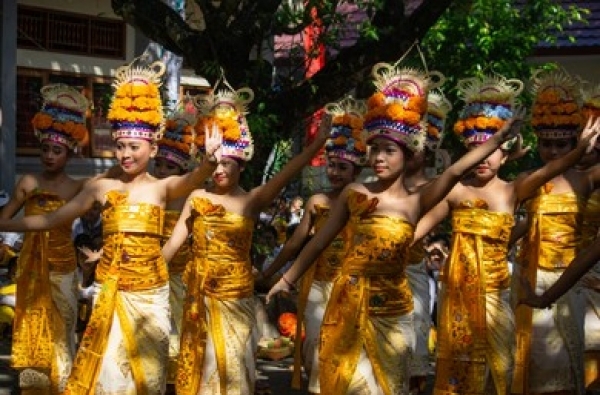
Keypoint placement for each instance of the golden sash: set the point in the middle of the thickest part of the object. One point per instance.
(35, 311)
(131, 261)
(220, 270)
(477, 265)
(550, 244)
(372, 284)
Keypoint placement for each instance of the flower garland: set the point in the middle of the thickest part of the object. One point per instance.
(136, 103)
(178, 135)
(347, 134)
(42, 121)
(550, 111)
(482, 116)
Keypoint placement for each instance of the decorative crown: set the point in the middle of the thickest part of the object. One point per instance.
(438, 108)
(489, 104)
(62, 117)
(398, 109)
(136, 110)
(556, 110)
(347, 139)
(226, 109)
(178, 138)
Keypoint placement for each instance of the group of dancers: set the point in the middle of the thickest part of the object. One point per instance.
(174, 289)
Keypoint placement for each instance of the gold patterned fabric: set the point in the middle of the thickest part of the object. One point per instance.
(46, 305)
(476, 322)
(177, 266)
(317, 280)
(369, 301)
(551, 243)
(216, 354)
(128, 330)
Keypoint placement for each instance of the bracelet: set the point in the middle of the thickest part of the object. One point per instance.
(288, 282)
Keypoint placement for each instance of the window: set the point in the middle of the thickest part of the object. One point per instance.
(79, 34)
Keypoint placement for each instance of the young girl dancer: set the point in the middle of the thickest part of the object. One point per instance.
(125, 345)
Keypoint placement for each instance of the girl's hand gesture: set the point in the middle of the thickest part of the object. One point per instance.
(589, 135)
(214, 141)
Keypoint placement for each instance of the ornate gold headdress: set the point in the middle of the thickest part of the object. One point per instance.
(438, 108)
(62, 117)
(556, 112)
(398, 109)
(347, 139)
(176, 143)
(136, 110)
(227, 109)
(489, 104)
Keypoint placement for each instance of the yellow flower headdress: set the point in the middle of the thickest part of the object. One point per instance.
(136, 110)
(62, 117)
(489, 104)
(178, 138)
(556, 112)
(347, 139)
(227, 110)
(398, 109)
(438, 108)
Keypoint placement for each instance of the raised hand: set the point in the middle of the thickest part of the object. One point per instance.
(589, 135)
(324, 127)
(519, 150)
(512, 127)
(214, 140)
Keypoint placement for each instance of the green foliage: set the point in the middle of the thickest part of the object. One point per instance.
(493, 37)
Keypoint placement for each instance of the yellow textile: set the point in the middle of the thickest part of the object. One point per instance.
(550, 245)
(177, 266)
(474, 276)
(368, 300)
(182, 257)
(326, 268)
(132, 262)
(39, 325)
(220, 286)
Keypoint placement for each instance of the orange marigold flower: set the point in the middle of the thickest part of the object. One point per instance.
(376, 100)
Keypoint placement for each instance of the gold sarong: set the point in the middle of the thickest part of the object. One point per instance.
(131, 272)
(43, 344)
(215, 355)
(363, 323)
(324, 270)
(475, 334)
(550, 245)
(177, 266)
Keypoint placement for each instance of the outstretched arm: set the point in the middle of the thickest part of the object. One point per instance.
(582, 263)
(527, 185)
(180, 233)
(74, 208)
(295, 243)
(182, 186)
(335, 223)
(431, 219)
(435, 191)
(263, 195)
